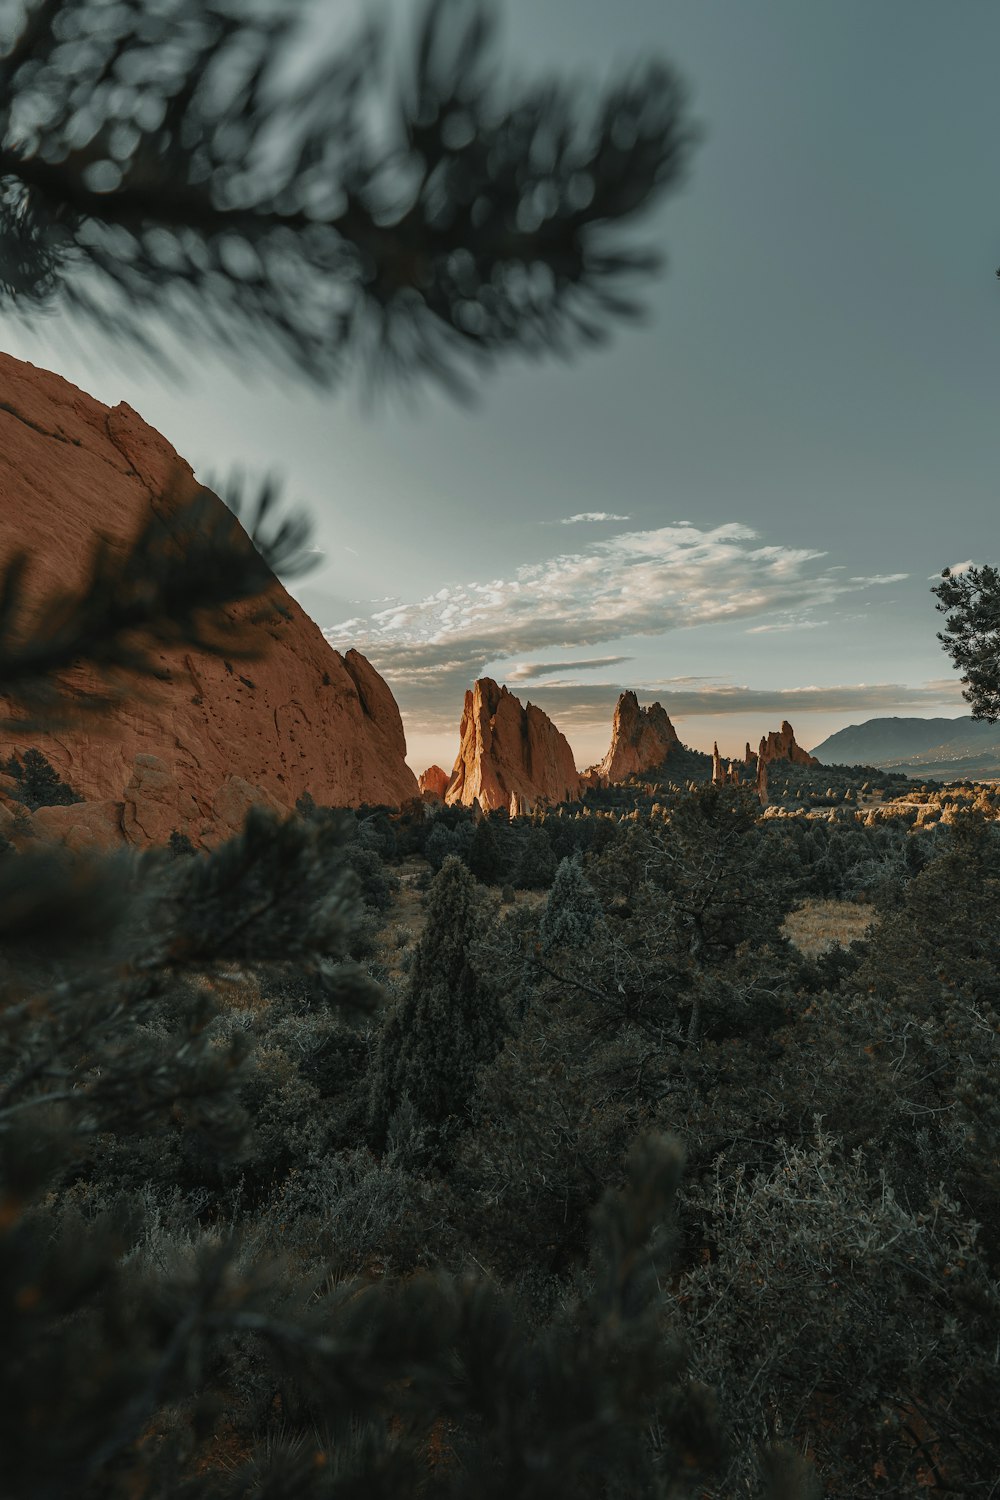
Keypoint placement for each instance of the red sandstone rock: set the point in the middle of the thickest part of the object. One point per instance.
(434, 783)
(641, 740)
(780, 745)
(301, 718)
(509, 750)
(81, 825)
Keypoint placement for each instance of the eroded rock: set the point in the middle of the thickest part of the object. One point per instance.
(641, 740)
(509, 750)
(301, 718)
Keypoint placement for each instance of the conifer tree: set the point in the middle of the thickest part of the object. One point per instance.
(485, 854)
(37, 782)
(573, 917)
(970, 601)
(449, 1023)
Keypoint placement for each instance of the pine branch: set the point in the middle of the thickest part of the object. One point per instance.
(429, 236)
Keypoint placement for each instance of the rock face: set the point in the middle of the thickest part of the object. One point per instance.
(192, 750)
(780, 745)
(433, 783)
(510, 751)
(641, 739)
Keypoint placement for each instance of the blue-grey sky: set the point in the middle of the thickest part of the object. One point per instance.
(804, 432)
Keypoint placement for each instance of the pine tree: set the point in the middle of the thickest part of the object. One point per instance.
(38, 783)
(449, 1023)
(573, 917)
(486, 855)
(970, 600)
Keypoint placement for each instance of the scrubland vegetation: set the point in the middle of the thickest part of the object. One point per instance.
(420, 1154)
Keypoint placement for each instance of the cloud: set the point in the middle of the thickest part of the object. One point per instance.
(532, 671)
(587, 515)
(636, 583)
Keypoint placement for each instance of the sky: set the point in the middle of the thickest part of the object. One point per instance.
(739, 507)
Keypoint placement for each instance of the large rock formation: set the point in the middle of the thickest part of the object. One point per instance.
(433, 783)
(641, 740)
(193, 750)
(780, 745)
(510, 752)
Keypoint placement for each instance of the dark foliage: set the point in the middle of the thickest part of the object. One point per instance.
(37, 782)
(970, 600)
(162, 159)
(449, 1024)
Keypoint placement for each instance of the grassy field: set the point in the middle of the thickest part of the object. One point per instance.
(816, 925)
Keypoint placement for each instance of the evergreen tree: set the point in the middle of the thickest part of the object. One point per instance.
(486, 854)
(971, 601)
(38, 783)
(449, 1023)
(573, 917)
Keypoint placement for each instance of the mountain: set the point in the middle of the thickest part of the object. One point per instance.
(936, 748)
(641, 739)
(192, 750)
(510, 755)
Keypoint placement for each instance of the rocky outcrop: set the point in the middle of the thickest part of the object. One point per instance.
(761, 781)
(188, 750)
(80, 826)
(641, 740)
(433, 783)
(509, 751)
(727, 774)
(780, 745)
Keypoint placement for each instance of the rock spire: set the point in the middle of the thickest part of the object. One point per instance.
(510, 755)
(780, 745)
(641, 740)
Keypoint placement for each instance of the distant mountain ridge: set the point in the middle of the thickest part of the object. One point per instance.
(939, 748)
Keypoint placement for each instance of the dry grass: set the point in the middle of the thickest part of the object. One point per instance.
(404, 922)
(816, 926)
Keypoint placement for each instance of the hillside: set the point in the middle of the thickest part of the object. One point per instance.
(942, 748)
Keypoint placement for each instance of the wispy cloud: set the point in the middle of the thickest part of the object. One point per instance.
(534, 671)
(587, 515)
(636, 583)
